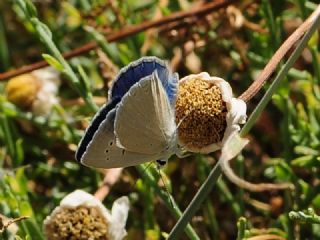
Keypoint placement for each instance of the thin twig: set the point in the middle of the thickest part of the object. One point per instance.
(6, 222)
(267, 237)
(110, 178)
(278, 56)
(126, 32)
(254, 187)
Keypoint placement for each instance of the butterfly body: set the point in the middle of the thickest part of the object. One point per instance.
(137, 125)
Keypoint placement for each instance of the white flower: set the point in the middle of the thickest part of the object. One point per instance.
(206, 113)
(35, 91)
(82, 216)
(49, 82)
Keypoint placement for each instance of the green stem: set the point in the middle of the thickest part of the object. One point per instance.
(4, 52)
(165, 196)
(209, 211)
(195, 203)
(305, 217)
(229, 198)
(240, 191)
(316, 78)
(242, 222)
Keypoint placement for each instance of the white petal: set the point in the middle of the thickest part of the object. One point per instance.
(43, 103)
(82, 198)
(79, 197)
(237, 112)
(225, 88)
(236, 115)
(47, 74)
(202, 75)
(46, 97)
(119, 215)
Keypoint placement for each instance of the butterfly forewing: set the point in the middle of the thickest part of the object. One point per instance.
(134, 72)
(144, 120)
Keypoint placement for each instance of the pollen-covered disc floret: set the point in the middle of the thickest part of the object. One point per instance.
(206, 113)
(82, 216)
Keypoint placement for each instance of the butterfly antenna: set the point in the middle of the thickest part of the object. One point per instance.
(179, 123)
(165, 186)
(180, 149)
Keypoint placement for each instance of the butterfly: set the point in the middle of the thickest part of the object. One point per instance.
(137, 124)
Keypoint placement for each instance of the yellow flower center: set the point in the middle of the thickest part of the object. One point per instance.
(77, 223)
(201, 113)
(22, 90)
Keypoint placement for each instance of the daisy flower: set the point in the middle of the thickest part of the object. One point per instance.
(35, 91)
(206, 113)
(82, 216)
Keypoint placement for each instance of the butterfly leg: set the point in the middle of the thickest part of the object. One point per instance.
(183, 155)
(181, 152)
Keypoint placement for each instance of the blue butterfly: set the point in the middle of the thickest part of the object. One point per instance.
(137, 124)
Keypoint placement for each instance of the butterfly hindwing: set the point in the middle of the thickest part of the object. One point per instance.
(93, 127)
(102, 151)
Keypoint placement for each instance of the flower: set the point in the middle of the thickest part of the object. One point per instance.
(22, 90)
(82, 216)
(206, 113)
(35, 91)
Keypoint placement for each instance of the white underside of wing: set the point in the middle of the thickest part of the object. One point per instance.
(144, 121)
(102, 151)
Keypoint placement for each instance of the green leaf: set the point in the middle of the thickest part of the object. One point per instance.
(306, 150)
(19, 154)
(85, 79)
(305, 161)
(307, 216)
(313, 42)
(53, 62)
(31, 9)
(41, 28)
(241, 224)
